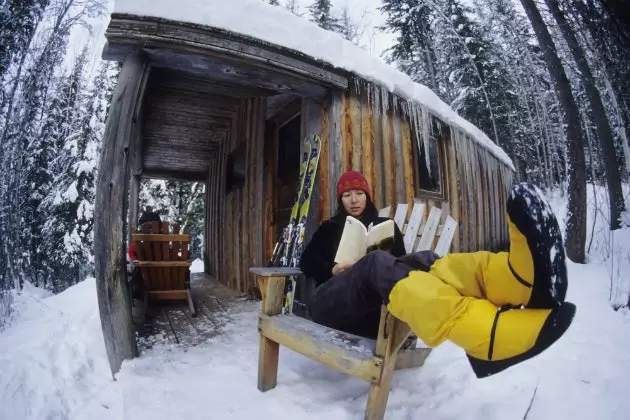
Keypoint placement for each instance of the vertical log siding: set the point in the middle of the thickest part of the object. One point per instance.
(363, 128)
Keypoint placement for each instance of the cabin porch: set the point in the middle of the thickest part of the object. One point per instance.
(203, 114)
(173, 323)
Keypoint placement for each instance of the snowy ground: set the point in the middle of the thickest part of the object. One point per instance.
(53, 366)
(197, 266)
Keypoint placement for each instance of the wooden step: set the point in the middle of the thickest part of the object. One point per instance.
(341, 351)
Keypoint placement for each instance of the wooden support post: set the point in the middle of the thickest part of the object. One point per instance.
(272, 289)
(134, 196)
(136, 160)
(111, 210)
(392, 334)
(191, 305)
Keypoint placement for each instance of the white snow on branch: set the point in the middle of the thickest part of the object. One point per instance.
(71, 194)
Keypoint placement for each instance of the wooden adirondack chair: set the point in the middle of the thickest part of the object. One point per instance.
(163, 261)
(371, 360)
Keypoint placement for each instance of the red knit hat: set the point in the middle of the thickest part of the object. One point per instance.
(352, 180)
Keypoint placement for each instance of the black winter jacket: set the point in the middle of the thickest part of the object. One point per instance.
(318, 257)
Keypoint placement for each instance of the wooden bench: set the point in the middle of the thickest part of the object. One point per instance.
(371, 360)
(163, 261)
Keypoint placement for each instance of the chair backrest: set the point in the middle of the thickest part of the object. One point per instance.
(162, 255)
(420, 232)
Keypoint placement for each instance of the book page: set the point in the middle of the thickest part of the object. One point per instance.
(381, 236)
(353, 243)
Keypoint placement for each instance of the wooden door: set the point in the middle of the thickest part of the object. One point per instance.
(283, 132)
(287, 171)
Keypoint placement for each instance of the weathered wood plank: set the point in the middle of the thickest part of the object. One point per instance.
(159, 237)
(392, 333)
(224, 43)
(181, 56)
(270, 158)
(401, 215)
(276, 103)
(367, 141)
(111, 211)
(275, 271)
(446, 236)
(245, 209)
(347, 140)
(379, 174)
(313, 116)
(356, 132)
(175, 175)
(389, 157)
(343, 352)
(258, 186)
(185, 332)
(162, 264)
(415, 220)
(198, 84)
(429, 230)
(335, 138)
(452, 184)
(407, 158)
(401, 195)
(168, 294)
(272, 289)
(134, 198)
(324, 208)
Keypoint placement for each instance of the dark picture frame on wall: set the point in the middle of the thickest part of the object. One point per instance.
(235, 168)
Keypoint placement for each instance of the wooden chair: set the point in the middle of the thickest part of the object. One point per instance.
(371, 360)
(163, 261)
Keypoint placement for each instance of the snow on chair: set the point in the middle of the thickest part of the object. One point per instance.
(371, 360)
(163, 261)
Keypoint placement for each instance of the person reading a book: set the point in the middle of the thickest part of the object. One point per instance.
(500, 308)
(333, 257)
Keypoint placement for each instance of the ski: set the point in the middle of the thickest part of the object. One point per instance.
(288, 249)
(294, 250)
(279, 250)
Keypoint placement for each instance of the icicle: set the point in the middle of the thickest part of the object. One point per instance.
(426, 125)
(379, 98)
(415, 121)
(384, 99)
(369, 98)
(405, 109)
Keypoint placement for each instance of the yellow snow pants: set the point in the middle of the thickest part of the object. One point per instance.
(460, 297)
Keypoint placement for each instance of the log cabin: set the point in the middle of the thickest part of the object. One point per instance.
(227, 96)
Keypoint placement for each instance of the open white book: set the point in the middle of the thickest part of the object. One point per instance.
(356, 240)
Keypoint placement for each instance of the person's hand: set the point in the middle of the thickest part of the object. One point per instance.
(339, 268)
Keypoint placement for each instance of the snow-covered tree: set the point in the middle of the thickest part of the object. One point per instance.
(321, 13)
(177, 202)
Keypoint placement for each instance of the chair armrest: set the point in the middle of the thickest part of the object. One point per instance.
(275, 271)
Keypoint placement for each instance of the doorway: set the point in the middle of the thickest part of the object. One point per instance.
(283, 136)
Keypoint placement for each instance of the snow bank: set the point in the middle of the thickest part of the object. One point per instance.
(609, 250)
(52, 358)
(53, 366)
(278, 26)
(197, 266)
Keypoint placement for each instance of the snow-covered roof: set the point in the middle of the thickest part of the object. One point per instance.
(275, 25)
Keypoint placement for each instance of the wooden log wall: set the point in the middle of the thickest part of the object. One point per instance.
(361, 129)
(110, 211)
(369, 130)
(234, 234)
